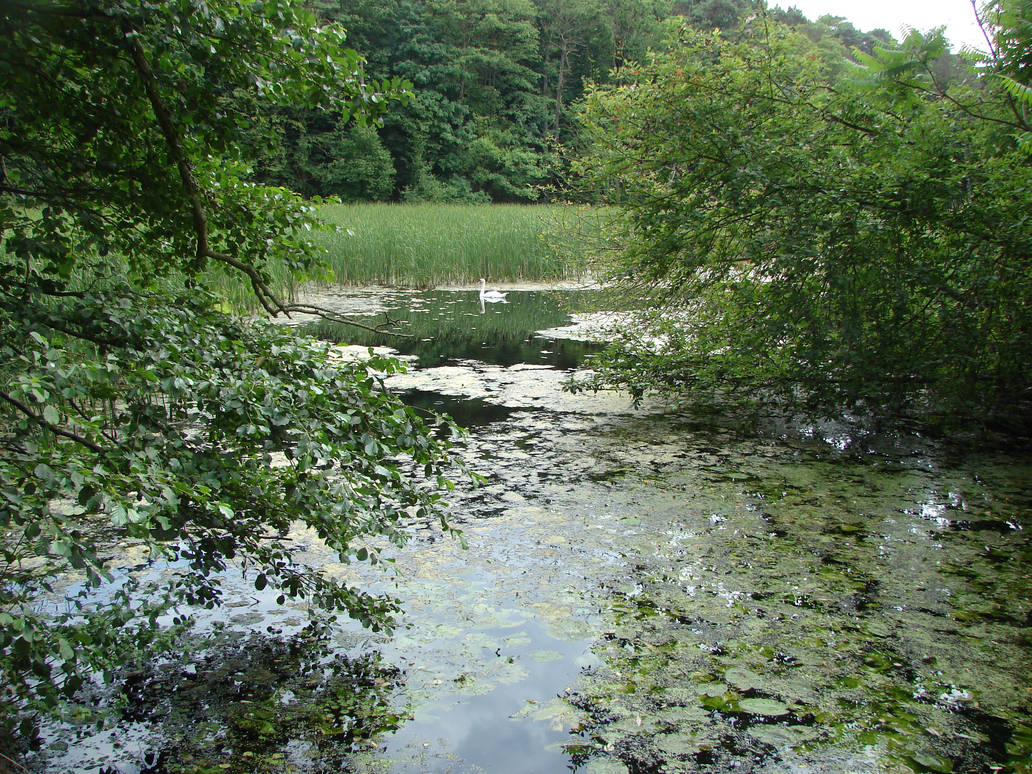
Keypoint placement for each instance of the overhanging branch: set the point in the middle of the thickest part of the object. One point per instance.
(331, 316)
(269, 300)
(32, 415)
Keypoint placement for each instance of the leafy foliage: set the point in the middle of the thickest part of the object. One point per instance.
(322, 155)
(1009, 59)
(494, 80)
(139, 424)
(834, 243)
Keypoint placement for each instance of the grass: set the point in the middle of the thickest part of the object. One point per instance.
(428, 245)
(423, 245)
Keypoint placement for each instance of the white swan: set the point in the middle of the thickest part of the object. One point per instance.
(491, 296)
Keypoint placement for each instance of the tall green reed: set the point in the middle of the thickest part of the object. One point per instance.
(427, 245)
(422, 245)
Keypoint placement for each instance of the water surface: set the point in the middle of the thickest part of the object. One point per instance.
(649, 591)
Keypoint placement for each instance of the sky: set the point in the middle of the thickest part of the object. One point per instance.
(896, 15)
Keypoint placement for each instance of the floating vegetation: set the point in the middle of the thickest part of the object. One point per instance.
(647, 592)
(785, 606)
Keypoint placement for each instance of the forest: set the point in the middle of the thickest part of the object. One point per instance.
(496, 87)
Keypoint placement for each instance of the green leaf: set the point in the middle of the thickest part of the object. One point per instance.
(65, 649)
(767, 707)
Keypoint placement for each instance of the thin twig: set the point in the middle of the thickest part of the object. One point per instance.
(47, 425)
(13, 762)
(332, 316)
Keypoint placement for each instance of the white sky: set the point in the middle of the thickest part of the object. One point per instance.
(896, 15)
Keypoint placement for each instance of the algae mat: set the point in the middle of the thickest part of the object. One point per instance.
(645, 591)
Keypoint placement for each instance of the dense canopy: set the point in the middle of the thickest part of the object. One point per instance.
(830, 233)
(136, 419)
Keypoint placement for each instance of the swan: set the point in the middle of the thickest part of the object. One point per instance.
(491, 296)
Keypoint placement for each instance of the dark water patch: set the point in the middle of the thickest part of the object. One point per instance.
(249, 703)
(467, 412)
(444, 327)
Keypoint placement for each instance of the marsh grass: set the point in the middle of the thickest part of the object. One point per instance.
(428, 245)
(423, 245)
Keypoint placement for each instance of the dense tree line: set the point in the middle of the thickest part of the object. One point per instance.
(495, 83)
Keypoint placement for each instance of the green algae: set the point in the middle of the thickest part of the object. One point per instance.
(651, 592)
(824, 606)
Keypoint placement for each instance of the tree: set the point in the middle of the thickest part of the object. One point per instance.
(829, 244)
(637, 27)
(713, 14)
(1009, 58)
(134, 416)
(577, 45)
(327, 155)
(477, 128)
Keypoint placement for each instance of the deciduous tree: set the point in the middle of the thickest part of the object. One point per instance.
(820, 236)
(135, 418)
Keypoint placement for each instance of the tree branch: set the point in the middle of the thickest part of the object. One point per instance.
(266, 297)
(52, 428)
(331, 316)
(175, 147)
(269, 300)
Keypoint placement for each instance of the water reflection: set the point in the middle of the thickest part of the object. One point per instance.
(468, 412)
(653, 592)
(508, 728)
(440, 327)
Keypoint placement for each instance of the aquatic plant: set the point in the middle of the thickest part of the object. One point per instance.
(422, 245)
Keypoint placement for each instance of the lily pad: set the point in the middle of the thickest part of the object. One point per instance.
(544, 656)
(677, 744)
(783, 736)
(928, 762)
(768, 707)
(606, 766)
(714, 690)
(743, 679)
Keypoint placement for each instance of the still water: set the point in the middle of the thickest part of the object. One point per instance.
(645, 591)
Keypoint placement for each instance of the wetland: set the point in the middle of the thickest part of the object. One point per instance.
(636, 589)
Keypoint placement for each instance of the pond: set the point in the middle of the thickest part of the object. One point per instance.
(643, 591)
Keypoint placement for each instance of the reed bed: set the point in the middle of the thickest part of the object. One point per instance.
(423, 245)
(429, 245)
